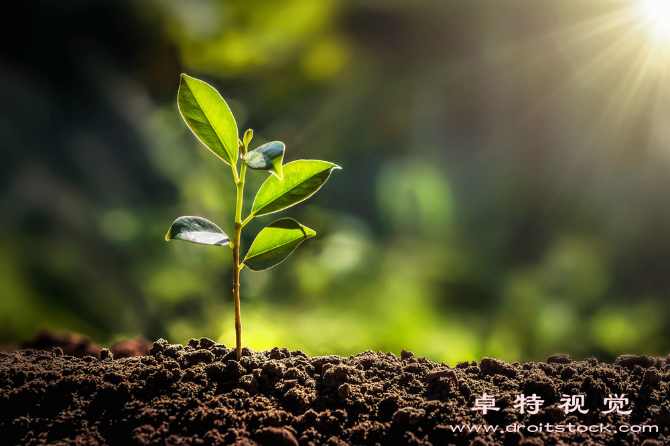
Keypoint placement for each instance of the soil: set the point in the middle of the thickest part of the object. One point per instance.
(200, 394)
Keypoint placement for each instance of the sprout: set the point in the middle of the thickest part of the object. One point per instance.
(209, 117)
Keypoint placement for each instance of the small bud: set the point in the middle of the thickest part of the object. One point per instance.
(247, 137)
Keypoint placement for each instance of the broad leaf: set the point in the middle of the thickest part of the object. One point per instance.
(269, 156)
(209, 117)
(197, 230)
(301, 179)
(276, 242)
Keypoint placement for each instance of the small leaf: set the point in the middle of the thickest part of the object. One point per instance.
(197, 230)
(276, 242)
(247, 137)
(302, 179)
(209, 117)
(269, 156)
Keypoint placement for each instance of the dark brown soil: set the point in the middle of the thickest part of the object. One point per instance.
(199, 394)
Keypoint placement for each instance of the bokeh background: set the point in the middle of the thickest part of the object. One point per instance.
(504, 192)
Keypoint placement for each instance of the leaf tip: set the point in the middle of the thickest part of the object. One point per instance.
(308, 231)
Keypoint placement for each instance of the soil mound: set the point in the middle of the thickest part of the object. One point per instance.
(200, 395)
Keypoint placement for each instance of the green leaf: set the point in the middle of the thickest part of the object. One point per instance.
(197, 230)
(209, 117)
(269, 156)
(247, 137)
(301, 179)
(276, 242)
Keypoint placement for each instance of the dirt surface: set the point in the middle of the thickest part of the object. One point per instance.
(199, 394)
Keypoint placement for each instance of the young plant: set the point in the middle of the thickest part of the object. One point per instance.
(210, 119)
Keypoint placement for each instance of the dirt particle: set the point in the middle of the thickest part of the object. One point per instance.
(651, 377)
(158, 346)
(631, 361)
(478, 441)
(197, 357)
(591, 361)
(568, 373)
(148, 360)
(558, 359)
(404, 354)
(336, 375)
(473, 370)
(490, 366)
(275, 435)
(113, 378)
(275, 354)
(274, 369)
(538, 383)
(465, 390)
(174, 351)
(105, 354)
(234, 369)
(409, 415)
(215, 371)
(249, 383)
(344, 391)
(310, 415)
(298, 354)
(442, 374)
(206, 343)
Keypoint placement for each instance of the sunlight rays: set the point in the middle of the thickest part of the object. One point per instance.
(620, 59)
(657, 15)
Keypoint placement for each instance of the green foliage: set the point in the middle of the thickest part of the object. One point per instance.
(210, 119)
(248, 135)
(197, 230)
(208, 116)
(269, 157)
(276, 242)
(302, 179)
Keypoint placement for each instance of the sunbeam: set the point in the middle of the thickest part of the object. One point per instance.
(657, 14)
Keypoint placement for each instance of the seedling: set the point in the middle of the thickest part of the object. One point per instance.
(210, 119)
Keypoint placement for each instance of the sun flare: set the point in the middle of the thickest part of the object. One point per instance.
(656, 14)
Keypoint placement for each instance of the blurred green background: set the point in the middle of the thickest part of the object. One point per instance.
(504, 192)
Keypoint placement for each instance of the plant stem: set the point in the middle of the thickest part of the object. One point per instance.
(236, 259)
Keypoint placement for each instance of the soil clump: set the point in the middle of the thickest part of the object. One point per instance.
(200, 394)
